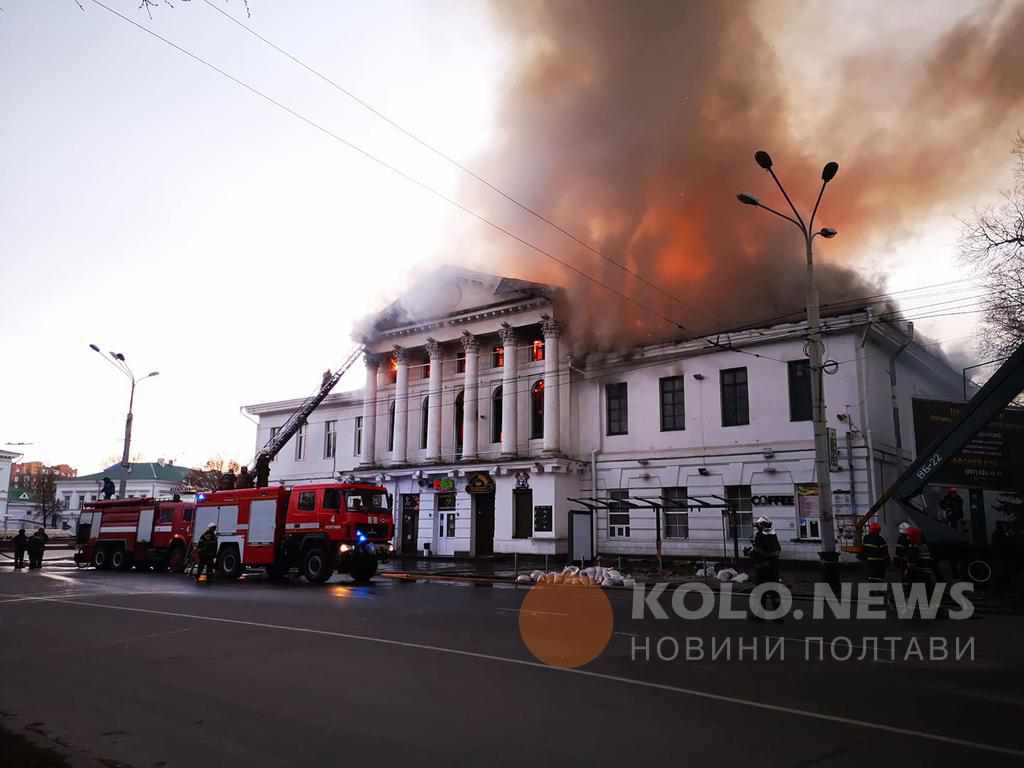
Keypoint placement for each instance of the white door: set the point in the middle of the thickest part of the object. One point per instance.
(446, 542)
(262, 516)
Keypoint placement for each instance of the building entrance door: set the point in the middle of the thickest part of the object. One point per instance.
(483, 511)
(410, 522)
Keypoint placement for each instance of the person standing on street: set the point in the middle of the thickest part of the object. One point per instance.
(876, 553)
(206, 550)
(20, 544)
(765, 554)
(36, 549)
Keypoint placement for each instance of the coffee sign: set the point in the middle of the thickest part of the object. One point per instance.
(772, 501)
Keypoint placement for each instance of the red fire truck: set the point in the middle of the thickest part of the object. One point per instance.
(318, 529)
(146, 533)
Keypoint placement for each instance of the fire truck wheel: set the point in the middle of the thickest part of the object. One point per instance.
(364, 568)
(316, 566)
(119, 560)
(176, 559)
(229, 563)
(101, 559)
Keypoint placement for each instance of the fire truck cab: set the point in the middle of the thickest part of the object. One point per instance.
(146, 533)
(317, 529)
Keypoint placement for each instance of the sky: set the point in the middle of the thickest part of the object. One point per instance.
(157, 209)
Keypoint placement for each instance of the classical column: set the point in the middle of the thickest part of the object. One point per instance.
(366, 457)
(552, 330)
(434, 402)
(398, 455)
(470, 395)
(509, 387)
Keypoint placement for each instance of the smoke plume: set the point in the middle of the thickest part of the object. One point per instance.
(633, 125)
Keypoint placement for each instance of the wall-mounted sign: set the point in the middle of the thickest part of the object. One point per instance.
(833, 450)
(444, 484)
(772, 501)
(542, 519)
(480, 482)
(522, 479)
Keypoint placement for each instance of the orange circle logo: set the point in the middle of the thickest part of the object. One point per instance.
(565, 625)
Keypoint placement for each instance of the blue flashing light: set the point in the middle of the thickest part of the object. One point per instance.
(360, 537)
(200, 497)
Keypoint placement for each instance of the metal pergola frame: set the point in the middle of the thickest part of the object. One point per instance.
(705, 501)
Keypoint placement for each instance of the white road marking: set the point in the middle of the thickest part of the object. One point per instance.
(532, 613)
(707, 695)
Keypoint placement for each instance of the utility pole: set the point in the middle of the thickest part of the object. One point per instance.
(122, 366)
(815, 352)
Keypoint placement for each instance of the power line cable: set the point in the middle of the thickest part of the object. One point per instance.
(394, 169)
(443, 155)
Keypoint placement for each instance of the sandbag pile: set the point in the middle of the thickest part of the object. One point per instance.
(573, 576)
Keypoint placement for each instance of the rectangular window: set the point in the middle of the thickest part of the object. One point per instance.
(332, 498)
(742, 524)
(307, 501)
(330, 438)
(618, 514)
(677, 518)
(451, 525)
(166, 515)
(273, 434)
(300, 443)
(445, 501)
(460, 362)
(735, 406)
(426, 370)
(498, 357)
(799, 390)
(673, 412)
(616, 402)
(67, 501)
(522, 520)
(357, 437)
(537, 351)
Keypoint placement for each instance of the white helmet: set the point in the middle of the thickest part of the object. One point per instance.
(904, 527)
(763, 522)
(211, 527)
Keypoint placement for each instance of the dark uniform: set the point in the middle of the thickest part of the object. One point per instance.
(875, 556)
(765, 555)
(36, 548)
(262, 471)
(953, 506)
(108, 488)
(206, 549)
(20, 544)
(244, 478)
(227, 481)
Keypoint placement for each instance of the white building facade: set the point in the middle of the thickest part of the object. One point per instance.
(486, 430)
(6, 459)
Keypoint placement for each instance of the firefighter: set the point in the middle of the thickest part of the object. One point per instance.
(875, 553)
(227, 481)
(953, 506)
(902, 545)
(262, 471)
(765, 554)
(20, 544)
(206, 550)
(36, 549)
(108, 488)
(244, 478)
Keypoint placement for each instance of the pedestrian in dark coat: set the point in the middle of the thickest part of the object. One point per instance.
(20, 544)
(244, 478)
(36, 548)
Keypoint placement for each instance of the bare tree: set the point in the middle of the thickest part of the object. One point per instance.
(42, 489)
(209, 478)
(992, 244)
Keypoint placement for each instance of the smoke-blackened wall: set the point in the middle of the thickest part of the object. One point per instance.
(633, 125)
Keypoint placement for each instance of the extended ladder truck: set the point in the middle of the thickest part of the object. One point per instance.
(319, 528)
(944, 542)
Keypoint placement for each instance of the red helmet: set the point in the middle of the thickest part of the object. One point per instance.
(874, 526)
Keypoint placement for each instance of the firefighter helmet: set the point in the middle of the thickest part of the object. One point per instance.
(874, 526)
(763, 523)
(905, 526)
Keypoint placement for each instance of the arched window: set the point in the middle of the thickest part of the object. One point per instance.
(537, 411)
(460, 401)
(496, 415)
(391, 426)
(424, 410)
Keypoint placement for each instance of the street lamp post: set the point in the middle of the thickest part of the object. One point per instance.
(122, 366)
(829, 556)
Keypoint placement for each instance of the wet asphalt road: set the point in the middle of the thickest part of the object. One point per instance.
(153, 670)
